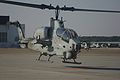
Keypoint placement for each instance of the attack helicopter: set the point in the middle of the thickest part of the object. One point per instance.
(55, 39)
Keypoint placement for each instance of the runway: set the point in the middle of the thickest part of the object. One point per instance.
(97, 64)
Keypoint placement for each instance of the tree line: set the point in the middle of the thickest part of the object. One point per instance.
(99, 38)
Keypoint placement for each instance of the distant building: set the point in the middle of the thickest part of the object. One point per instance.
(9, 34)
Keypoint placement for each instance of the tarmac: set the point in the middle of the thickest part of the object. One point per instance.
(97, 64)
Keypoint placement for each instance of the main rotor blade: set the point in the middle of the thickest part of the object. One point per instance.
(88, 10)
(42, 6)
(91, 10)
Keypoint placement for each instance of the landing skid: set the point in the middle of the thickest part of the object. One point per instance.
(71, 62)
(48, 60)
(64, 61)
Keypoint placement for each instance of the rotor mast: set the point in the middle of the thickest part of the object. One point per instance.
(57, 12)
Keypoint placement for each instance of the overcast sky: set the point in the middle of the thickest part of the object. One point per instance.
(84, 23)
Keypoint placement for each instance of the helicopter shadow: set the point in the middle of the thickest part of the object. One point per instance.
(94, 68)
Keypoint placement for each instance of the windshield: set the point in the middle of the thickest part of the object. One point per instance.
(66, 34)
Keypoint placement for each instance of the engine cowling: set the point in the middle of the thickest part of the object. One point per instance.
(43, 33)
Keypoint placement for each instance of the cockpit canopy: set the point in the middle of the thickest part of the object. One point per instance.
(66, 34)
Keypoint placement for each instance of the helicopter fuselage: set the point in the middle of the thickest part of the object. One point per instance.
(56, 40)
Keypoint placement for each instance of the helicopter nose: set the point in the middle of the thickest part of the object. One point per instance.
(76, 47)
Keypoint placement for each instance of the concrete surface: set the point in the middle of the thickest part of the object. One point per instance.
(97, 64)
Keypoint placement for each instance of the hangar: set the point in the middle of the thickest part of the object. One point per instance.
(9, 32)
